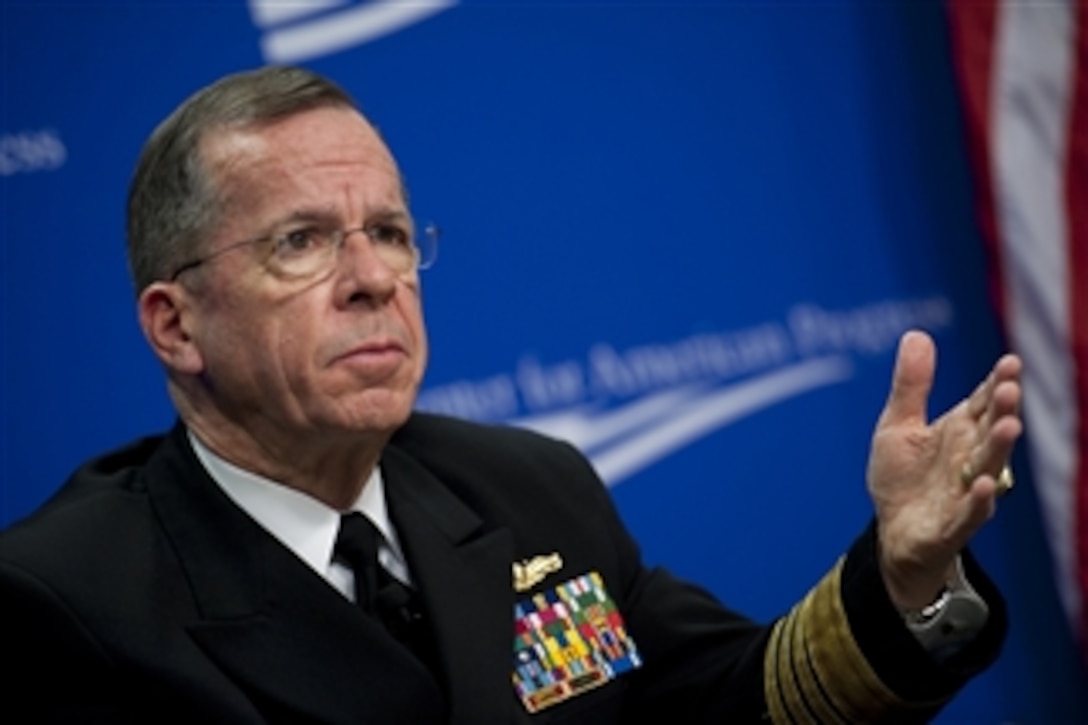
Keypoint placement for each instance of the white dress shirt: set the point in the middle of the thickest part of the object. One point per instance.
(303, 524)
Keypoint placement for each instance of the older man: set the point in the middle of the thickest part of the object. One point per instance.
(303, 548)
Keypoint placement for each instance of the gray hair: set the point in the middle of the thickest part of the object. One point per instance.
(173, 200)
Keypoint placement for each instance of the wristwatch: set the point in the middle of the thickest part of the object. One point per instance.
(954, 618)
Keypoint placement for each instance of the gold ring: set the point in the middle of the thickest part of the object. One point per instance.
(967, 475)
(1005, 481)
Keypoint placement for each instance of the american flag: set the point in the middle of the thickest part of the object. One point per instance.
(1023, 71)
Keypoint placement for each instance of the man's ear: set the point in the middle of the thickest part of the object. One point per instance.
(166, 317)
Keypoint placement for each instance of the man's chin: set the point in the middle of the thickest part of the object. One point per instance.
(376, 411)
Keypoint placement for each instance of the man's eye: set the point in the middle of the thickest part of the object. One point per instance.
(389, 234)
(298, 240)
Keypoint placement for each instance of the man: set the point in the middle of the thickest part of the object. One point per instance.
(214, 574)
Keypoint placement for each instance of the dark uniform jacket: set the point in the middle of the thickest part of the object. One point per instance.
(141, 593)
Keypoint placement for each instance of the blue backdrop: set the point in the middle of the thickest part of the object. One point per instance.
(685, 236)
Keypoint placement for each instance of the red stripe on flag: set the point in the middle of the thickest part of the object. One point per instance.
(1076, 205)
(973, 24)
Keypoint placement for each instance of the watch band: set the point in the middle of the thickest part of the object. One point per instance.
(954, 618)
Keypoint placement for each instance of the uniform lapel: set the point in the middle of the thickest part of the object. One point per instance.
(293, 643)
(463, 570)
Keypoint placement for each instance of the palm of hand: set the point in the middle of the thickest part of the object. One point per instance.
(926, 511)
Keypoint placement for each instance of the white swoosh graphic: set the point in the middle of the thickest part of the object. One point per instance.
(587, 429)
(687, 414)
(347, 28)
(267, 13)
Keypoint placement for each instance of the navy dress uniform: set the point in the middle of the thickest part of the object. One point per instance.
(165, 602)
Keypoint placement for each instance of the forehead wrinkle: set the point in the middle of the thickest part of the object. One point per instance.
(241, 160)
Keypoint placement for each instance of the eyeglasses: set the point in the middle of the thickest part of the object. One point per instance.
(313, 250)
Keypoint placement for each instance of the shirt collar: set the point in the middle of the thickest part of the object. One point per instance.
(303, 524)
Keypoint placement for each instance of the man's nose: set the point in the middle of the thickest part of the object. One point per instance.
(361, 271)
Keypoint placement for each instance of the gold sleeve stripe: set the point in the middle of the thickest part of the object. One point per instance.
(814, 671)
(822, 705)
(793, 668)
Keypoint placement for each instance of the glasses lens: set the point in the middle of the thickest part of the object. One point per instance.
(318, 252)
(427, 246)
(303, 254)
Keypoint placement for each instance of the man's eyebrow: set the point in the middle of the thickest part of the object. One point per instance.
(390, 215)
(330, 216)
(325, 215)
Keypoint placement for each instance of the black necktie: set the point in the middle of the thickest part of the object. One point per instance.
(357, 544)
(380, 594)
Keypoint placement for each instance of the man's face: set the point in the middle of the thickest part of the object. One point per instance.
(338, 353)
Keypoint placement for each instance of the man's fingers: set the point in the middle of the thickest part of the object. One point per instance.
(1000, 425)
(1004, 402)
(979, 400)
(1005, 370)
(979, 506)
(992, 454)
(912, 380)
(1009, 367)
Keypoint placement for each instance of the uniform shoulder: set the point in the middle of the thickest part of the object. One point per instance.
(464, 448)
(90, 496)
